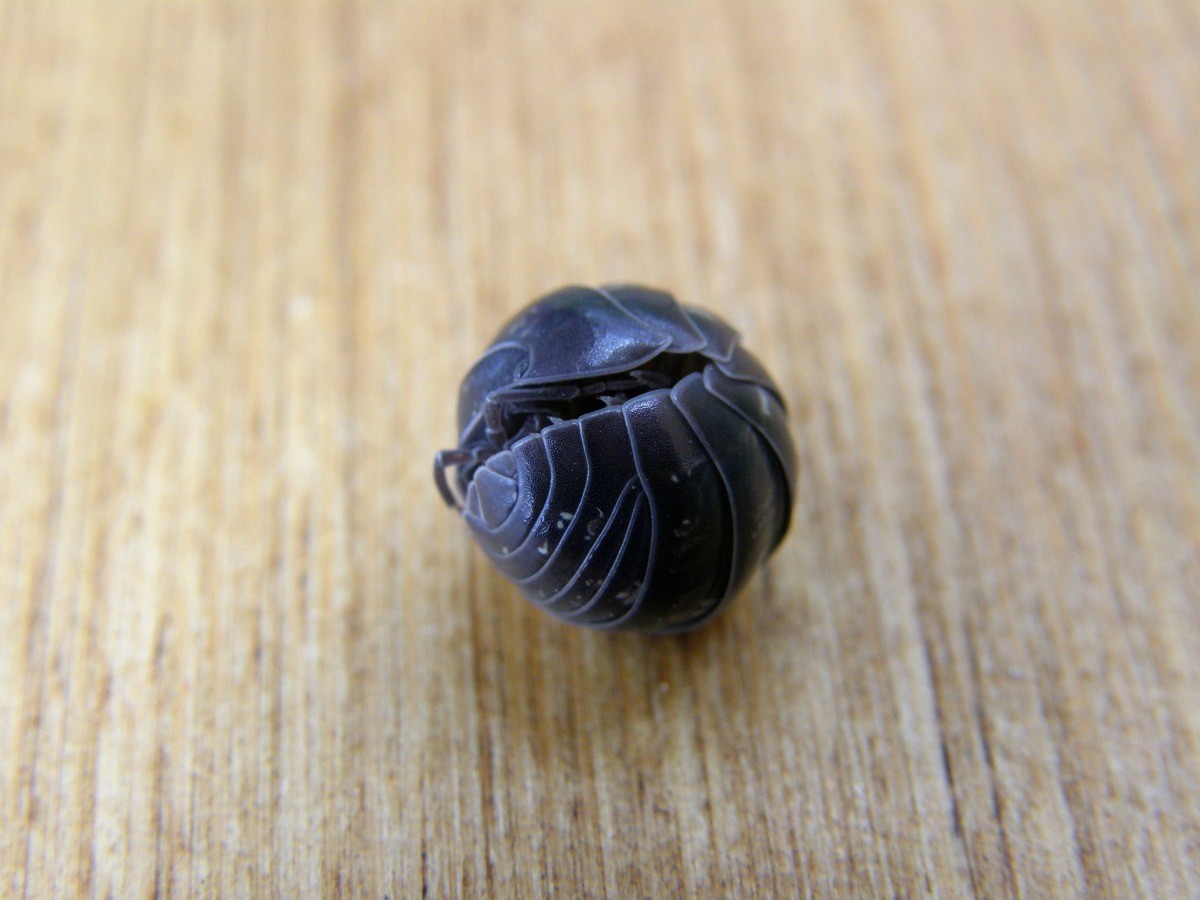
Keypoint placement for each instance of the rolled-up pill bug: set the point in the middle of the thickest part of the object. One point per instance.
(622, 459)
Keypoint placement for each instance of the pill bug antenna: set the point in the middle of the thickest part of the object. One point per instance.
(451, 459)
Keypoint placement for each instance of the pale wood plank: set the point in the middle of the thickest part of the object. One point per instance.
(247, 251)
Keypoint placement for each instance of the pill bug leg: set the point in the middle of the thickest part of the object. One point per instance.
(501, 406)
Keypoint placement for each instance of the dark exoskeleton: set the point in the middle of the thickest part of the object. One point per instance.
(622, 459)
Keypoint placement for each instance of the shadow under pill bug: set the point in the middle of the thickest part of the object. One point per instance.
(622, 459)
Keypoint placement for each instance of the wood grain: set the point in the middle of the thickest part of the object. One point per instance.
(246, 252)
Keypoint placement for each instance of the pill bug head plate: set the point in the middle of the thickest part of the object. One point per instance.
(622, 458)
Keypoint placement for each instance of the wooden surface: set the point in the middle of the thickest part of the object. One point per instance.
(245, 255)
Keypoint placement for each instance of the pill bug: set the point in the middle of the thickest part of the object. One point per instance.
(622, 459)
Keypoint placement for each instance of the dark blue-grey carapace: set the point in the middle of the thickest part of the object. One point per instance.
(622, 459)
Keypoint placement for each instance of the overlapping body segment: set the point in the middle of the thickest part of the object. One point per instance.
(623, 460)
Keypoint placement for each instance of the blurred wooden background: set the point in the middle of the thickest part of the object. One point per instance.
(246, 253)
